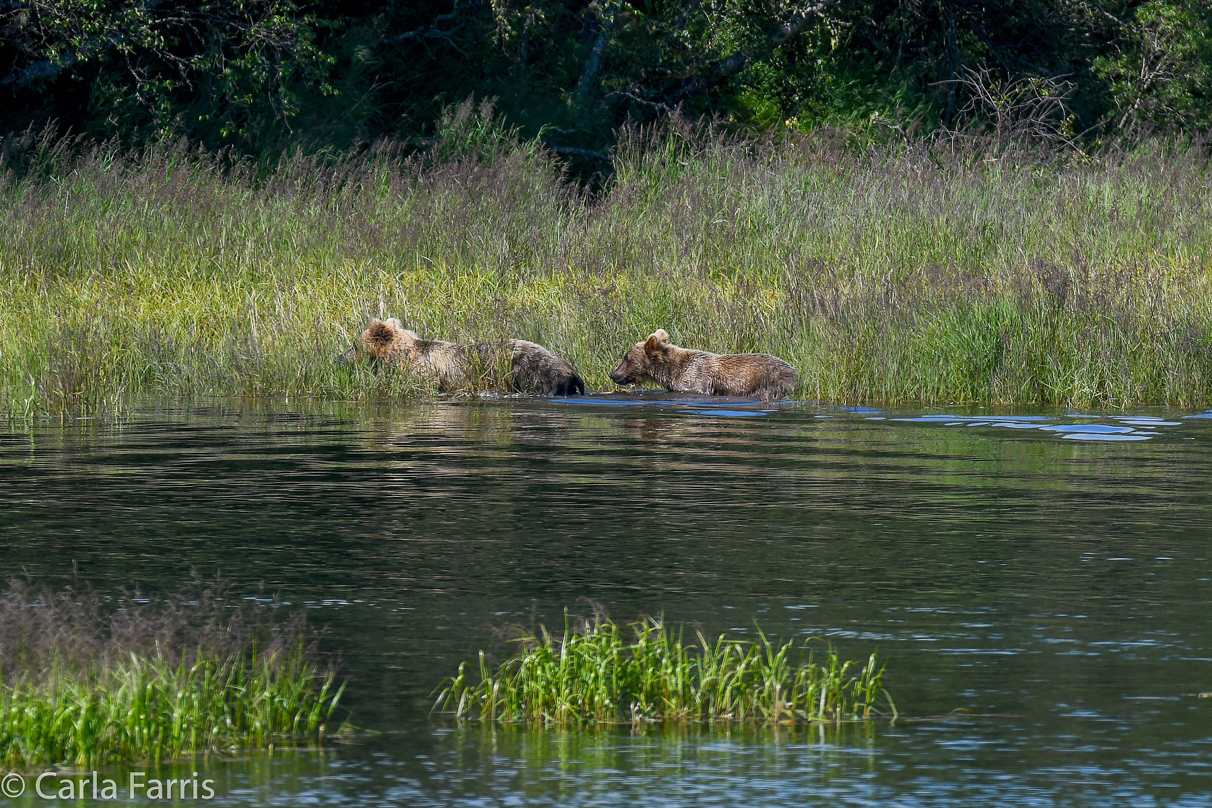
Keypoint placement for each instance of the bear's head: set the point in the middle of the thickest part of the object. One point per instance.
(644, 360)
(382, 341)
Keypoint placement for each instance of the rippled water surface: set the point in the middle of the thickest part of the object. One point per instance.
(1039, 583)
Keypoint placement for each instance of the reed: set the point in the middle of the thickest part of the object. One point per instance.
(601, 673)
(83, 686)
(901, 274)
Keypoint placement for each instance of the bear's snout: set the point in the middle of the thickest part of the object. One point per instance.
(620, 375)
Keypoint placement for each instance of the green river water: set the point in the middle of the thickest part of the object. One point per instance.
(1039, 583)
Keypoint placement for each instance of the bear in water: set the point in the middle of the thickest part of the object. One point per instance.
(511, 365)
(683, 370)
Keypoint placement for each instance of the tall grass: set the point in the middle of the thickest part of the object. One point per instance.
(901, 274)
(81, 685)
(601, 673)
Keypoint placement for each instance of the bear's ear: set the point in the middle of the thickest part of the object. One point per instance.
(394, 323)
(380, 332)
(656, 341)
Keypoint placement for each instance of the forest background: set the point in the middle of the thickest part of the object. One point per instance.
(261, 76)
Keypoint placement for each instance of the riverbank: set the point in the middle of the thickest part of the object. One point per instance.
(895, 276)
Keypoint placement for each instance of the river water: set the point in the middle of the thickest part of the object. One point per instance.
(1039, 583)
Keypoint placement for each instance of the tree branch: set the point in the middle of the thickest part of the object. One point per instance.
(593, 65)
(43, 70)
(48, 69)
(799, 22)
(1102, 12)
(651, 106)
(729, 66)
(430, 31)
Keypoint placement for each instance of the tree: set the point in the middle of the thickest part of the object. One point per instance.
(1160, 73)
(229, 70)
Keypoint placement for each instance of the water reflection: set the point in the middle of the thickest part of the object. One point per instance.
(1004, 565)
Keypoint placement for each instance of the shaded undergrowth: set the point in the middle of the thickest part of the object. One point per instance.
(87, 680)
(599, 672)
(903, 274)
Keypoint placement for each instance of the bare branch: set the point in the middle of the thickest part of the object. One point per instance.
(651, 106)
(799, 22)
(1102, 12)
(431, 31)
(1033, 109)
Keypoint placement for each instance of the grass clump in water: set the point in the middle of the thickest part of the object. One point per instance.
(602, 673)
(85, 684)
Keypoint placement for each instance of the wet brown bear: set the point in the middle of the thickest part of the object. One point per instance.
(683, 370)
(512, 365)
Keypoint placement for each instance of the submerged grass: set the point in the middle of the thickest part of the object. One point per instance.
(905, 274)
(82, 684)
(601, 673)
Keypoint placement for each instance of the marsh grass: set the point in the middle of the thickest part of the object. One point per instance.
(907, 273)
(599, 672)
(87, 682)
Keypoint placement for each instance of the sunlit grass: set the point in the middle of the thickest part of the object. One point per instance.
(83, 684)
(603, 673)
(145, 709)
(901, 275)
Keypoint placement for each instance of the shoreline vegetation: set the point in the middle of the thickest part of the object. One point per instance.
(937, 272)
(85, 684)
(601, 673)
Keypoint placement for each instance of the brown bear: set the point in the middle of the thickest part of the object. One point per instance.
(683, 370)
(511, 365)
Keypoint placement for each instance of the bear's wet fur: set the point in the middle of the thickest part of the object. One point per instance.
(683, 370)
(511, 365)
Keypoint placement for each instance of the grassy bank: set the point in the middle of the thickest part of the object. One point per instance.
(904, 275)
(603, 673)
(82, 684)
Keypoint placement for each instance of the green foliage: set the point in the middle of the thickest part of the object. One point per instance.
(227, 71)
(146, 709)
(601, 673)
(824, 78)
(470, 131)
(1160, 73)
(267, 75)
